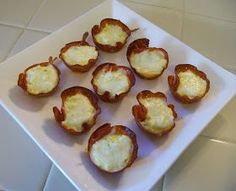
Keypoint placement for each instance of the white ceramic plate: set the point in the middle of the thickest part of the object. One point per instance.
(68, 153)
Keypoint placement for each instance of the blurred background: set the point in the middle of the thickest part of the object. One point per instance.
(208, 26)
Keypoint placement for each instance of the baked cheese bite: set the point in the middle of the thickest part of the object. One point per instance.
(111, 35)
(79, 56)
(79, 110)
(147, 62)
(112, 148)
(40, 79)
(189, 84)
(112, 82)
(153, 114)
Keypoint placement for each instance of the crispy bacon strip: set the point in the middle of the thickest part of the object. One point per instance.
(106, 96)
(109, 48)
(60, 114)
(22, 82)
(140, 45)
(140, 111)
(77, 67)
(106, 129)
(173, 82)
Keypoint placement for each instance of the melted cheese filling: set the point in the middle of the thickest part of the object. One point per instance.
(80, 55)
(112, 152)
(110, 35)
(78, 110)
(41, 79)
(115, 82)
(159, 115)
(149, 63)
(191, 85)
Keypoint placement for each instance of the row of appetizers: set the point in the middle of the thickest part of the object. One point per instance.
(113, 148)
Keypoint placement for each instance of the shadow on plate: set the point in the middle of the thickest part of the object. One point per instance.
(60, 136)
(107, 180)
(26, 102)
(147, 143)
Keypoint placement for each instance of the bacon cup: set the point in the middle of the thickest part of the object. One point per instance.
(40, 79)
(153, 114)
(189, 84)
(79, 56)
(112, 82)
(112, 148)
(147, 62)
(79, 110)
(111, 35)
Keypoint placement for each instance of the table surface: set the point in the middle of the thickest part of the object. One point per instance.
(207, 26)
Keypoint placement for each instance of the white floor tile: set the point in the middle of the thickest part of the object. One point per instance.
(56, 13)
(224, 9)
(223, 126)
(23, 166)
(176, 4)
(27, 38)
(169, 20)
(207, 165)
(8, 37)
(214, 38)
(57, 181)
(18, 12)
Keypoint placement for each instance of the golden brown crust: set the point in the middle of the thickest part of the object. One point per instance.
(173, 82)
(140, 111)
(78, 67)
(109, 48)
(60, 114)
(22, 82)
(106, 129)
(140, 45)
(106, 96)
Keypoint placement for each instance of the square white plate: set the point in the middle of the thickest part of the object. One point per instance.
(68, 152)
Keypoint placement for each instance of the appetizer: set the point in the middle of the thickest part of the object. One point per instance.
(40, 79)
(147, 62)
(189, 84)
(79, 56)
(111, 35)
(112, 148)
(79, 110)
(112, 82)
(153, 114)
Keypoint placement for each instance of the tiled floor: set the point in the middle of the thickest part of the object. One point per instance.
(23, 167)
(208, 26)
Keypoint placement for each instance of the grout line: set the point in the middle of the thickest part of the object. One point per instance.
(48, 175)
(35, 13)
(36, 10)
(162, 182)
(11, 25)
(20, 27)
(151, 4)
(38, 30)
(211, 17)
(184, 10)
(182, 27)
(13, 45)
(216, 139)
(24, 29)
